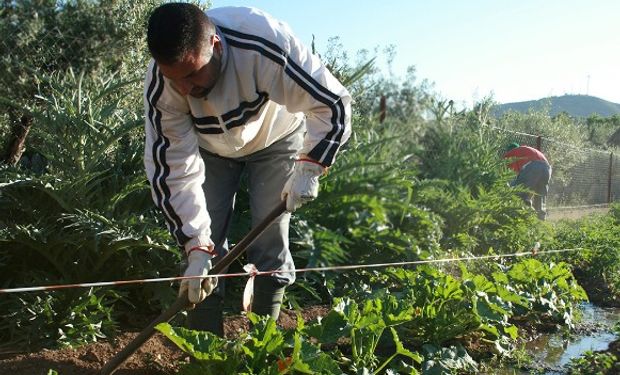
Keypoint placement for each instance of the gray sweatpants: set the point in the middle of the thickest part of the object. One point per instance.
(267, 171)
(535, 176)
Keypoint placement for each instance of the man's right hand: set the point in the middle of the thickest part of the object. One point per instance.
(199, 264)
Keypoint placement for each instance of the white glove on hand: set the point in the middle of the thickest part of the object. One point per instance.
(303, 185)
(199, 264)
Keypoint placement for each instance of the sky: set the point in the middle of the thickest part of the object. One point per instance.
(470, 49)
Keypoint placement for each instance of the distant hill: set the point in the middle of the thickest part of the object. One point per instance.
(574, 105)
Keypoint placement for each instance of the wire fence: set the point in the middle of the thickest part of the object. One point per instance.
(581, 176)
(251, 271)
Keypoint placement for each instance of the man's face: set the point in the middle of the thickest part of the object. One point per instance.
(196, 73)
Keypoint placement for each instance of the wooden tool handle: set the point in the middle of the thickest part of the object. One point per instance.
(182, 302)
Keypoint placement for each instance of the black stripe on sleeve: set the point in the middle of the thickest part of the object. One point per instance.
(325, 151)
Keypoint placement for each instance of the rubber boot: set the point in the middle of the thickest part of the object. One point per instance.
(268, 294)
(208, 316)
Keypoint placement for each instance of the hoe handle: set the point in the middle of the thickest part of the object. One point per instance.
(182, 302)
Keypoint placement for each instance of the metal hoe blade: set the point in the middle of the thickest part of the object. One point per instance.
(182, 302)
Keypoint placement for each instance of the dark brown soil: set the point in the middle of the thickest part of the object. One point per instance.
(598, 292)
(614, 348)
(156, 357)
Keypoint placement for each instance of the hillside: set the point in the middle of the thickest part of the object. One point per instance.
(574, 105)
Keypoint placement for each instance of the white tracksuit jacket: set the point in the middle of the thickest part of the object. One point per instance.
(269, 82)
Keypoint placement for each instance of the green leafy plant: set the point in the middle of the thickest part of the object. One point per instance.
(263, 350)
(459, 149)
(476, 307)
(65, 318)
(56, 37)
(88, 215)
(453, 359)
(594, 363)
(490, 220)
(550, 289)
(442, 311)
(365, 214)
(364, 326)
(597, 264)
(494, 304)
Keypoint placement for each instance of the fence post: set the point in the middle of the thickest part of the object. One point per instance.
(611, 160)
(539, 143)
(382, 109)
(18, 140)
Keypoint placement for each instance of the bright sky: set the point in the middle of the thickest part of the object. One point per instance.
(515, 50)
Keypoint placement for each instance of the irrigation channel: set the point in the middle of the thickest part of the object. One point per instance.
(550, 352)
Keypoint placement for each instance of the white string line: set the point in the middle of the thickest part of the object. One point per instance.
(258, 273)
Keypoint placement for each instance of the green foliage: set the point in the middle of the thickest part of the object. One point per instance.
(481, 221)
(600, 129)
(66, 239)
(614, 213)
(264, 349)
(53, 37)
(405, 98)
(86, 214)
(597, 264)
(65, 318)
(550, 289)
(445, 308)
(84, 125)
(365, 213)
(458, 148)
(453, 359)
(365, 326)
(560, 127)
(54, 238)
(441, 310)
(594, 363)
(428, 308)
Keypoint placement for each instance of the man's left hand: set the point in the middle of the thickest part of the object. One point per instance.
(303, 185)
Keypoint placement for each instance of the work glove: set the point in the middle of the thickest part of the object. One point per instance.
(303, 185)
(199, 264)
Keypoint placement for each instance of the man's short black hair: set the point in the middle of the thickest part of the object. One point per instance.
(176, 29)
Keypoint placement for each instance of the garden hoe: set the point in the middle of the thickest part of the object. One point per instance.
(182, 302)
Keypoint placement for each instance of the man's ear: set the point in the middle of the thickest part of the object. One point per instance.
(216, 43)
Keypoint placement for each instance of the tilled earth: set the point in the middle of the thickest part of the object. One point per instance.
(158, 356)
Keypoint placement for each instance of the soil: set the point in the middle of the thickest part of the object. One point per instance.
(158, 356)
(574, 213)
(614, 348)
(598, 292)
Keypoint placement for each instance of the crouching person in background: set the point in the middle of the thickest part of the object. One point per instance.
(534, 172)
